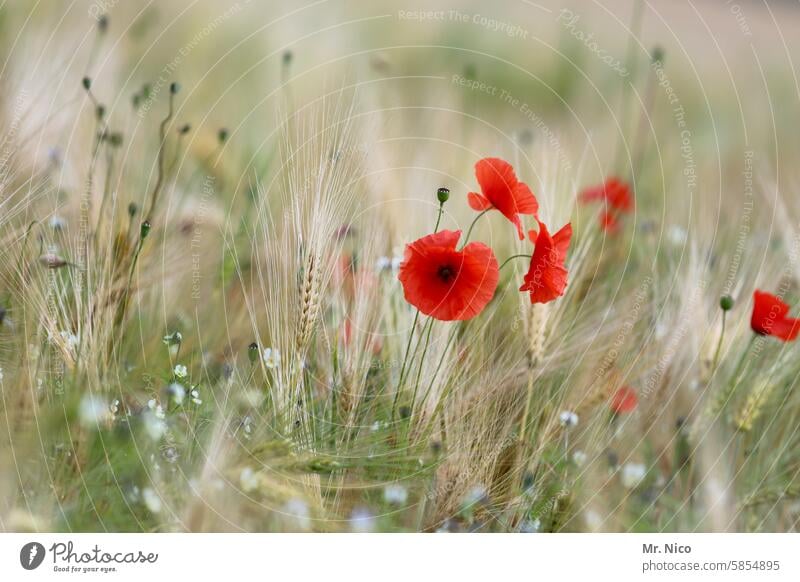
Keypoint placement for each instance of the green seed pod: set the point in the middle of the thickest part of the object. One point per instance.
(726, 303)
(443, 194)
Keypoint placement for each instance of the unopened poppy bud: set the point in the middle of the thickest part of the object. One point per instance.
(135, 100)
(100, 110)
(87, 83)
(115, 139)
(252, 352)
(133, 208)
(145, 229)
(185, 129)
(443, 194)
(102, 23)
(287, 58)
(657, 56)
(222, 135)
(405, 411)
(174, 88)
(726, 303)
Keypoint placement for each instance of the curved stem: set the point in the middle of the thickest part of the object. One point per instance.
(513, 257)
(471, 226)
(421, 363)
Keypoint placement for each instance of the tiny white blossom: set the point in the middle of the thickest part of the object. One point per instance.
(93, 411)
(395, 494)
(568, 419)
(151, 500)
(396, 261)
(177, 392)
(180, 371)
(154, 425)
(579, 457)
(362, 521)
(272, 358)
(56, 222)
(531, 526)
(70, 339)
(633, 474)
(383, 264)
(298, 511)
(196, 396)
(248, 480)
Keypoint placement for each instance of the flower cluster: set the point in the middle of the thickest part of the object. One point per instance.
(450, 283)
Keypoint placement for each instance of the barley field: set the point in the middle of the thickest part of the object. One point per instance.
(345, 266)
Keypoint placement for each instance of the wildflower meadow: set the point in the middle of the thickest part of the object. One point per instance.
(382, 267)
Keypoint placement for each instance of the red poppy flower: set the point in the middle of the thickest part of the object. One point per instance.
(547, 276)
(500, 189)
(769, 317)
(617, 197)
(624, 400)
(445, 283)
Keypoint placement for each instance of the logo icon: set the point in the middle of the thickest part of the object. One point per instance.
(31, 555)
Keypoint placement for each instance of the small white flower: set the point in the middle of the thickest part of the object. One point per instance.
(93, 411)
(297, 510)
(362, 521)
(180, 371)
(173, 338)
(151, 500)
(530, 526)
(272, 358)
(248, 480)
(568, 419)
(56, 222)
(395, 494)
(177, 392)
(70, 339)
(676, 235)
(196, 396)
(633, 474)
(383, 264)
(579, 457)
(396, 261)
(154, 425)
(475, 495)
(115, 407)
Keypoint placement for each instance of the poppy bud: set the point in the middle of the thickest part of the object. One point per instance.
(222, 135)
(145, 229)
(405, 411)
(135, 100)
(657, 56)
(87, 83)
(115, 139)
(100, 111)
(185, 129)
(174, 88)
(726, 303)
(252, 352)
(287, 58)
(102, 23)
(146, 90)
(443, 194)
(132, 209)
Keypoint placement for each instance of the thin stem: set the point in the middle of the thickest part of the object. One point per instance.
(513, 257)
(421, 363)
(439, 366)
(471, 226)
(719, 346)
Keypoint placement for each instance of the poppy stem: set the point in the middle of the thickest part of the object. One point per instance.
(471, 226)
(719, 346)
(405, 361)
(421, 363)
(512, 257)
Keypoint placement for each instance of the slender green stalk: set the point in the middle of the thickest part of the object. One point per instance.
(471, 226)
(719, 346)
(513, 257)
